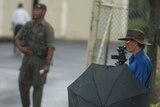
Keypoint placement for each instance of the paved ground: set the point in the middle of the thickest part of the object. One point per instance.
(69, 63)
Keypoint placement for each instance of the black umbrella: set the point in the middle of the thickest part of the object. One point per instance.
(102, 86)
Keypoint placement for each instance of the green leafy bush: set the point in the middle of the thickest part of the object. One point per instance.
(155, 105)
(139, 24)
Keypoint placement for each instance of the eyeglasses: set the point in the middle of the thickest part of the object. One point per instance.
(127, 42)
(130, 41)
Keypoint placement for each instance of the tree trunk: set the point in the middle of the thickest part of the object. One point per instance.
(153, 38)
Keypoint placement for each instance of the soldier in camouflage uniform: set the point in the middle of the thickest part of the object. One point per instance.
(36, 41)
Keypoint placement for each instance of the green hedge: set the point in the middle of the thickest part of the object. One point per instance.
(138, 23)
(155, 105)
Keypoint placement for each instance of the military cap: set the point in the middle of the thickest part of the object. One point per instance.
(40, 6)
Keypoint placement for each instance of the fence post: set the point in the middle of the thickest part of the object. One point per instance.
(109, 22)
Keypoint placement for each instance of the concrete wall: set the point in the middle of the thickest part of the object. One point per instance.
(70, 18)
(1, 16)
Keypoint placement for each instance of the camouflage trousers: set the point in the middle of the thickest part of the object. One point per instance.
(31, 77)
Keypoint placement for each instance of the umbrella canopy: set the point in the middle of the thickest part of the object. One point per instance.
(102, 86)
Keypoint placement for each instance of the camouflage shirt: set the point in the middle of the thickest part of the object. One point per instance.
(37, 37)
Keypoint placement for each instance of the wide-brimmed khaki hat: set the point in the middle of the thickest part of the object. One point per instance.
(137, 35)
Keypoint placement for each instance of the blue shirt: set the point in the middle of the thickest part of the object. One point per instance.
(141, 67)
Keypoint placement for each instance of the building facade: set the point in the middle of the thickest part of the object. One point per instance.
(70, 18)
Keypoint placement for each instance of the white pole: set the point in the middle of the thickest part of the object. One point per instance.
(64, 17)
(1, 16)
(104, 37)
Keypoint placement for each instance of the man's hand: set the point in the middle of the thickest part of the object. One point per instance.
(26, 51)
(46, 68)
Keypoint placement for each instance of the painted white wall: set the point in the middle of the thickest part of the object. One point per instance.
(119, 21)
(6, 9)
(70, 18)
(1, 16)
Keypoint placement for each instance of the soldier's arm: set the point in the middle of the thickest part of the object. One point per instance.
(50, 43)
(49, 55)
(24, 50)
(50, 47)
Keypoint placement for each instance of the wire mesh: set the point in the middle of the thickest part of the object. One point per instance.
(112, 21)
(112, 24)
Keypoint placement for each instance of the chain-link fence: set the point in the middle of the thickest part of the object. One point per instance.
(138, 16)
(109, 22)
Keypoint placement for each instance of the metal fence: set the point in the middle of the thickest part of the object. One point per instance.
(138, 16)
(109, 22)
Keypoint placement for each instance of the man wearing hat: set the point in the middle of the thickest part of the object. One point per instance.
(36, 41)
(139, 62)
